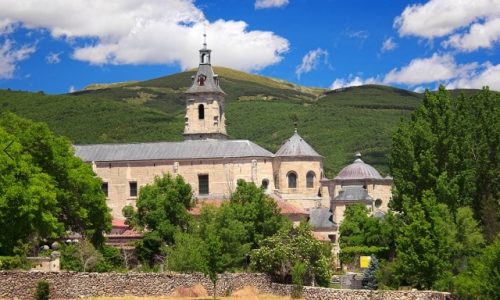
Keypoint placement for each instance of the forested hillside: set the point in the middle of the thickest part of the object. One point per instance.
(336, 123)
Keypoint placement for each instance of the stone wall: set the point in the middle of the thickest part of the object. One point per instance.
(72, 285)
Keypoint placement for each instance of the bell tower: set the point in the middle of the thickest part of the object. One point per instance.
(205, 117)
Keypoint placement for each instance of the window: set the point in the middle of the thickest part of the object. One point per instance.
(310, 179)
(105, 189)
(292, 179)
(378, 203)
(201, 112)
(133, 188)
(203, 184)
(265, 184)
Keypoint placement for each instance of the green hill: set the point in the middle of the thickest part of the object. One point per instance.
(336, 123)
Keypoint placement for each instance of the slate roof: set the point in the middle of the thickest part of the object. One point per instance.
(321, 218)
(358, 170)
(190, 149)
(209, 85)
(353, 193)
(296, 146)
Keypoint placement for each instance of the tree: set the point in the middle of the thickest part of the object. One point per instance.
(162, 209)
(279, 253)
(469, 239)
(369, 279)
(216, 245)
(482, 275)
(450, 147)
(426, 245)
(259, 213)
(361, 234)
(478, 135)
(189, 254)
(44, 189)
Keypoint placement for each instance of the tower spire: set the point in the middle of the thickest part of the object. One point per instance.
(204, 36)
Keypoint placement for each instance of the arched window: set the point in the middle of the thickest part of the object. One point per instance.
(265, 184)
(378, 203)
(310, 179)
(201, 112)
(292, 179)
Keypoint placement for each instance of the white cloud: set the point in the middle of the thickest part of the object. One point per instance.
(53, 58)
(443, 69)
(439, 18)
(71, 89)
(486, 74)
(437, 68)
(478, 36)
(10, 56)
(358, 34)
(146, 32)
(6, 26)
(260, 4)
(388, 45)
(352, 81)
(311, 60)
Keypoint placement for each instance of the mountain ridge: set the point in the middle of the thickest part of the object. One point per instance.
(264, 110)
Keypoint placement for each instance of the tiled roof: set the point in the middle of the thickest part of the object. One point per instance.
(171, 150)
(196, 210)
(290, 209)
(285, 208)
(118, 223)
(296, 146)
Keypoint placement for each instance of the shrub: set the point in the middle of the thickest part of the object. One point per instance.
(298, 272)
(14, 263)
(42, 290)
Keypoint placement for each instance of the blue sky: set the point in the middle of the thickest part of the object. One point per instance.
(59, 46)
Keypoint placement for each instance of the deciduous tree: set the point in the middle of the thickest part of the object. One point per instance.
(44, 189)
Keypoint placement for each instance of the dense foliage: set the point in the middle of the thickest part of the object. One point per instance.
(44, 189)
(446, 176)
(279, 253)
(162, 209)
(361, 234)
(449, 150)
(42, 290)
(83, 257)
(481, 276)
(222, 238)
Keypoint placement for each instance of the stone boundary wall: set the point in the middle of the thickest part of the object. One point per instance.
(74, 285)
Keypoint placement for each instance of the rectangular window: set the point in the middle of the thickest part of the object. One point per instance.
(133, 188)
(105, 189)
(203, 184)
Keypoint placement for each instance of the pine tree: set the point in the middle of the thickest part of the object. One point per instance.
(369, 281)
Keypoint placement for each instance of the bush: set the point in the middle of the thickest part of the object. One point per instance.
(14, 263)
(42, 290)
(298, 272)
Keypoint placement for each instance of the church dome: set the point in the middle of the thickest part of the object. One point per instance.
(358, 170)
(296, 147)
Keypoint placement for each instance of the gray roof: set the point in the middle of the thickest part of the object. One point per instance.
(171, 150)
(209, 85)
(296, 146)
(358, 170)
(353, 193)
(321, 218)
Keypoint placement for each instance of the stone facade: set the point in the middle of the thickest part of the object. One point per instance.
(73, 285)
(222, 176)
